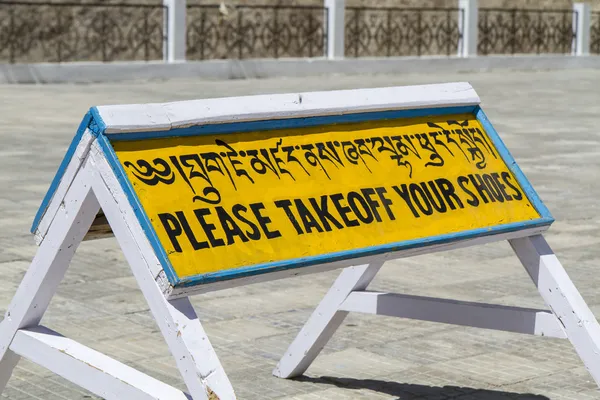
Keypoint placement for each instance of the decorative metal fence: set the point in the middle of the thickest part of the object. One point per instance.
(58, 32)
(62, 32)
(255, 32)
(595, 33)
(385, 32)
(523, 31)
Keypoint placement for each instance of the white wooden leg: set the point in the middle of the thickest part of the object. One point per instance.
(563, 298)
(325, 320)
(456, 312)
(47, 269)
(88, 368)
(176, 319)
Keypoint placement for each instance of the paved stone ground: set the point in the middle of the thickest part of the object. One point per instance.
(549, 120)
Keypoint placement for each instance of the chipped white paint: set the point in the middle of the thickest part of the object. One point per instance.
(89, 184)
(175, 25)
(176, 319)
(74, 164)
(48, 268)
(325, 320)
(95, 187)
(465, 313)
(94, 371)
(563, 298)
(568, 317)
(155, 117)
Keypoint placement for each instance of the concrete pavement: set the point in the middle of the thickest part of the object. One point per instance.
(548, 119)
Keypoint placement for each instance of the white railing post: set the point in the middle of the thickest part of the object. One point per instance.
(176, 30)
(581, 21)
(335, 28)
(468, 27)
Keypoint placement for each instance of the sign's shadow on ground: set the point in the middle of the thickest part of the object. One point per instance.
(406, 391)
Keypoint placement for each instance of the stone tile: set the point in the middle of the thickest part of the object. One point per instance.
(556, 141)
(356, 363)
(500, 368)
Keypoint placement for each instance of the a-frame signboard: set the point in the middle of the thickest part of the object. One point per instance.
(211, 194)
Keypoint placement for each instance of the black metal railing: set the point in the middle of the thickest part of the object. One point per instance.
(385, 32)
(59, 32)
(595, 33)
(215, 32)
(522, 31)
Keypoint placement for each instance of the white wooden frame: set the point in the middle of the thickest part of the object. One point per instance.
(87, 184)
(95, 187)
(568, 315)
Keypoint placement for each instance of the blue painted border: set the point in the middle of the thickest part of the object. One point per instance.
(545, 220)
(61, 171)
(212, 277)
(94, 121)
(138, 210)
(532, 195)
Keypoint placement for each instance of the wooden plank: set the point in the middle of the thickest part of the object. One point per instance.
(100, 228)
(48, 267)
(65, 182)
(94, 371)
(104, 172)
(563, 298)
(220, 285)
(325, 320)
(190, 257)
(465, 313)
(152, 117)
(195, 357)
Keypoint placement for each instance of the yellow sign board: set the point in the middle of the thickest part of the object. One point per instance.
(220, 202)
